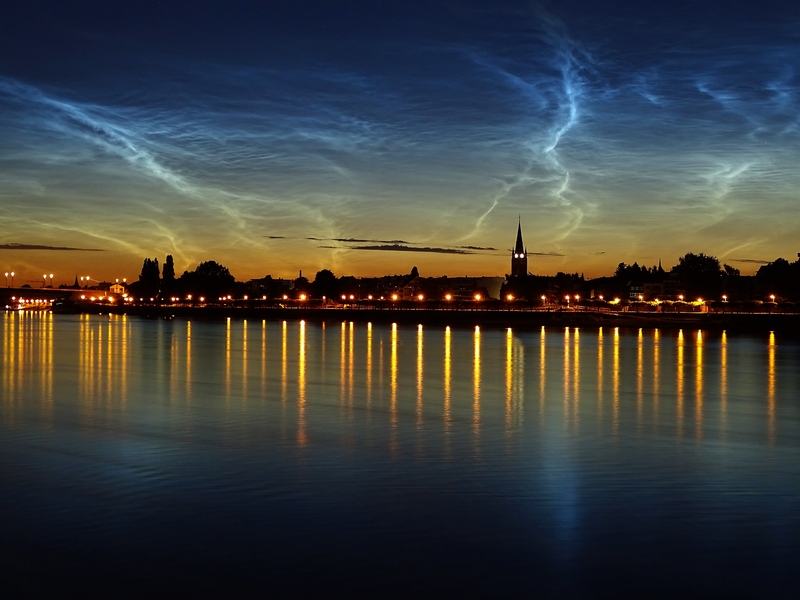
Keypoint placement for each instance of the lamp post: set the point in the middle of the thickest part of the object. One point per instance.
(12, 279)
(6, 278)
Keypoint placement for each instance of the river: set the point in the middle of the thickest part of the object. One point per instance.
(290, 458)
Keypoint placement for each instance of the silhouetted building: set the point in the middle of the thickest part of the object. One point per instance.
(519, 257)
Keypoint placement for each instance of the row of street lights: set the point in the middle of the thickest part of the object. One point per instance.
(12, 278)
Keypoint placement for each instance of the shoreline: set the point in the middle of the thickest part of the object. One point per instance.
(745, 322)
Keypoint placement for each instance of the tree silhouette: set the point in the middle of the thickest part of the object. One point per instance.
(325, 284)
(700, 274)
(730, 271)
(208, 279)
(168, 276)
(168, 272)
(149, 279)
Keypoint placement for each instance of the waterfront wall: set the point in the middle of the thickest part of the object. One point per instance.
(782, 322)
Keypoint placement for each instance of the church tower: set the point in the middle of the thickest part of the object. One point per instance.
(519, 257)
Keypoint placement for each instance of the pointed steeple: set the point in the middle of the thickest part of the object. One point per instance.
(519, 257)
(519, 247)
(75, 285)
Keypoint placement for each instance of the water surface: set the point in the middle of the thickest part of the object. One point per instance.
(291, 458)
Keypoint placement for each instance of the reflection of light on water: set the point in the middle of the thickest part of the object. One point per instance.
(771, 389)
(723, 383)
(509, 375)
(244, 359)
(46, 363)
(173, 364)
(566, 376)
(419, 375)
(698, 407)
(576, 375)
(476, 404)
(188, 379)
(542, 372)
(301, 387)
(369, 367)
(600, 370)
(85, 362)
(615, 411)
(228, 358)
(283, 362)
(263, 357)
(393, 379)
(342, 362)
(639, 379)
(656, 373)
(10, 361)
(679, 383)
(350, 371)
(447, 366)
(576, 387)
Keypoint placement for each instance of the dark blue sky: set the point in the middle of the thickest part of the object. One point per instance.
(235, 130)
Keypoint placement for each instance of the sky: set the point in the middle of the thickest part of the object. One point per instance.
(368, 137)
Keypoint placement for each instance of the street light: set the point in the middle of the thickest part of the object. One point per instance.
(724, 298)
(510, 297)
(772, 297)
(544, 300)
(448, 297)
(477, 297)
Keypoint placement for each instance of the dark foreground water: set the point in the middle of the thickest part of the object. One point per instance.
(285, 459)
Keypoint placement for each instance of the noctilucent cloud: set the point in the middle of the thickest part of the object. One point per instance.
(396, 134)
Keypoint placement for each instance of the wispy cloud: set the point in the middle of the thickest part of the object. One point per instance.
(403, 248)
(357, 240)
(15, 246)
(750, 260)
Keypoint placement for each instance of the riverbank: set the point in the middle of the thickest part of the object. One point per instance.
(750, 322)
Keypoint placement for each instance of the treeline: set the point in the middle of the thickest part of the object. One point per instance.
(694, 276)
(209, 279)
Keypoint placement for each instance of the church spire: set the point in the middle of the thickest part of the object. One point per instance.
(519, 258)
(519, 247)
